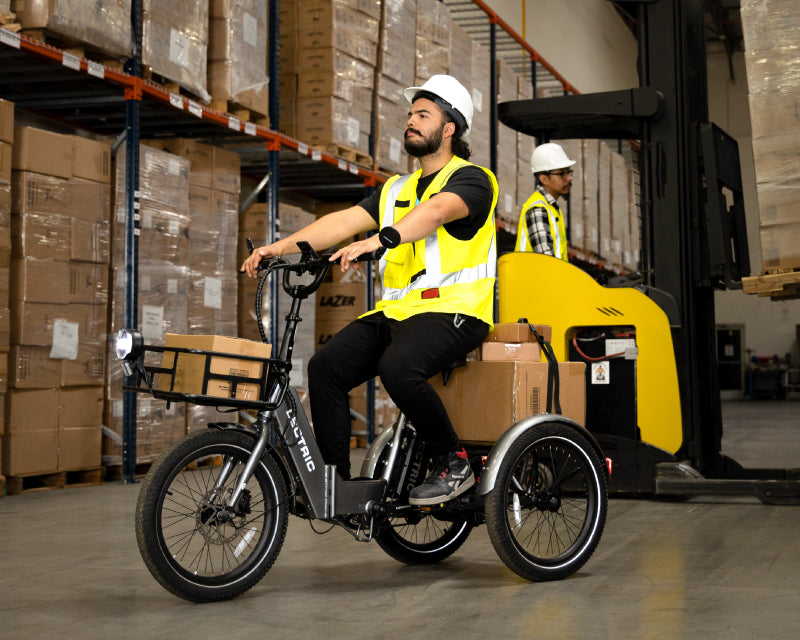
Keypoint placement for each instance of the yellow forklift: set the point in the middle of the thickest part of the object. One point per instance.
(653, 397)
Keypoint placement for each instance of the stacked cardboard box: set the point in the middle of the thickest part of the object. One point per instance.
(506, 144)
(287, 67)
(773, 74)
(337, 56)
(526, 183)
(573, 207)
(163, 284)
(103, 26)
(432, 40)
(175, 42)
(591, 196)
(59, 289)
(512, 379)
(633, 252)
(395, 73)
(6, 142)
(618, 193)
(237, 54)
(480, 135)
(510, 391)
(212, 251)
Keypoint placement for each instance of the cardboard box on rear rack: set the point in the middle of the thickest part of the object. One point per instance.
(484, 399)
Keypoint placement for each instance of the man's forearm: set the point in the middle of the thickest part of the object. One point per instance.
(329, 230)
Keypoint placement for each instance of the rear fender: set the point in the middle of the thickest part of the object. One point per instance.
(370, 464)
(502, 446)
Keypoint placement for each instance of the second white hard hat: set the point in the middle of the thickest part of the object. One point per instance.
(451, 92)
(549, 157)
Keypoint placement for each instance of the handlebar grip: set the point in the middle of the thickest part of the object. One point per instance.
(365, 257)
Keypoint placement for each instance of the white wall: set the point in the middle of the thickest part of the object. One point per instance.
(590, 46)
(585, 40)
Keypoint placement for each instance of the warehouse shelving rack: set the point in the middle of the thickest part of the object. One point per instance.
(80, 94)
(76, 93)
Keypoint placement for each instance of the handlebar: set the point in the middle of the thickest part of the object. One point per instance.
(309, 262)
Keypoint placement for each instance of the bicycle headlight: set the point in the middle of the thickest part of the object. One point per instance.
(128, 344)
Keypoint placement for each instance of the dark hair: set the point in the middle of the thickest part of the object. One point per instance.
(458, 145)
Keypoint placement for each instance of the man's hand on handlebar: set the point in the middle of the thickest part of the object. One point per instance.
(250, 265)
(347, 255)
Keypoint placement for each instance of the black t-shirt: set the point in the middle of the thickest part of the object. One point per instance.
(469, 183)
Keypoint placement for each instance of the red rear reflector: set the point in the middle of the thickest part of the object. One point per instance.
(610, 465)
(430, 293)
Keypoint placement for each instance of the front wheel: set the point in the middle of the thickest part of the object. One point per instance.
(546, 513)
(194, 544)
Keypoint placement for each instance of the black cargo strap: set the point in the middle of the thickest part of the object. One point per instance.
(553, 386)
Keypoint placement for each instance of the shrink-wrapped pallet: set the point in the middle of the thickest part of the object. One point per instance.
(432, 40)
(395, 73)
(479, 136)
(175, 42)
(334, 102)
(506, 148)
(104, 26)
(773, 72)
(237, 53)
(163, 284)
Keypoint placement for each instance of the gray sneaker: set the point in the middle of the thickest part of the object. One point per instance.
(451, 476)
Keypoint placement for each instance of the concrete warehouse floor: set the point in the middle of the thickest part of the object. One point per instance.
(706, 568)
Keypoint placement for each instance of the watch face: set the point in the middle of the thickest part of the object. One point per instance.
(389, 237)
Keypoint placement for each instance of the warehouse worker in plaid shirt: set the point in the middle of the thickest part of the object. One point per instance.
(541, 225)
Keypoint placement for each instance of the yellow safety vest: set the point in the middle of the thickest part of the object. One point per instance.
(439, 273)
(557, 230)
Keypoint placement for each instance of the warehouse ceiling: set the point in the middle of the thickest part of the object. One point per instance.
(723, 21)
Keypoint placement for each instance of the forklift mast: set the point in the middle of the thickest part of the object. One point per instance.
(693, 237)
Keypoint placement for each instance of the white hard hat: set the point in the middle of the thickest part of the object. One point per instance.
(451, 92)
(548, 157)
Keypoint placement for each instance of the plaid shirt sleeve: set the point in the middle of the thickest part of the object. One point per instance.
(538, 226)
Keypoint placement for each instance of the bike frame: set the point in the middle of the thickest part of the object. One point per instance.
(281, 419)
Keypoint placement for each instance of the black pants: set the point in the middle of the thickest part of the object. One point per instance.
(405, 354)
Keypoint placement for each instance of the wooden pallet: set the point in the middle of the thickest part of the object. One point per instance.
(347, 153)
(778, 284)
(239, 111)
(58, 480)
(169, 85)
(113, 472)
(74, 47)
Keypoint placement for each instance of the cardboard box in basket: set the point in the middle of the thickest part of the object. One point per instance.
(484, 399)
(190, 366)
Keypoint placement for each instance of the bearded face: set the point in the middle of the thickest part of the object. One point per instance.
(418, 145)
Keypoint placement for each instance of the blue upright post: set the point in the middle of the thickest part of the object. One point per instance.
(133, 99)
(273, 157)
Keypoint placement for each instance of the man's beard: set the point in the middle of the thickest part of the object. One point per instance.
(417, 148)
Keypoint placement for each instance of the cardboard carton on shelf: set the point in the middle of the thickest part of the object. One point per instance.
(42, 151)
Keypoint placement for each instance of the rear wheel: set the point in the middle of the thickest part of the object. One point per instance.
(546, 513)
(192, 543)
(421, 538)
(413, 536)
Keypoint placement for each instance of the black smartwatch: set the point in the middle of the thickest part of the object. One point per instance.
(389, 237)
